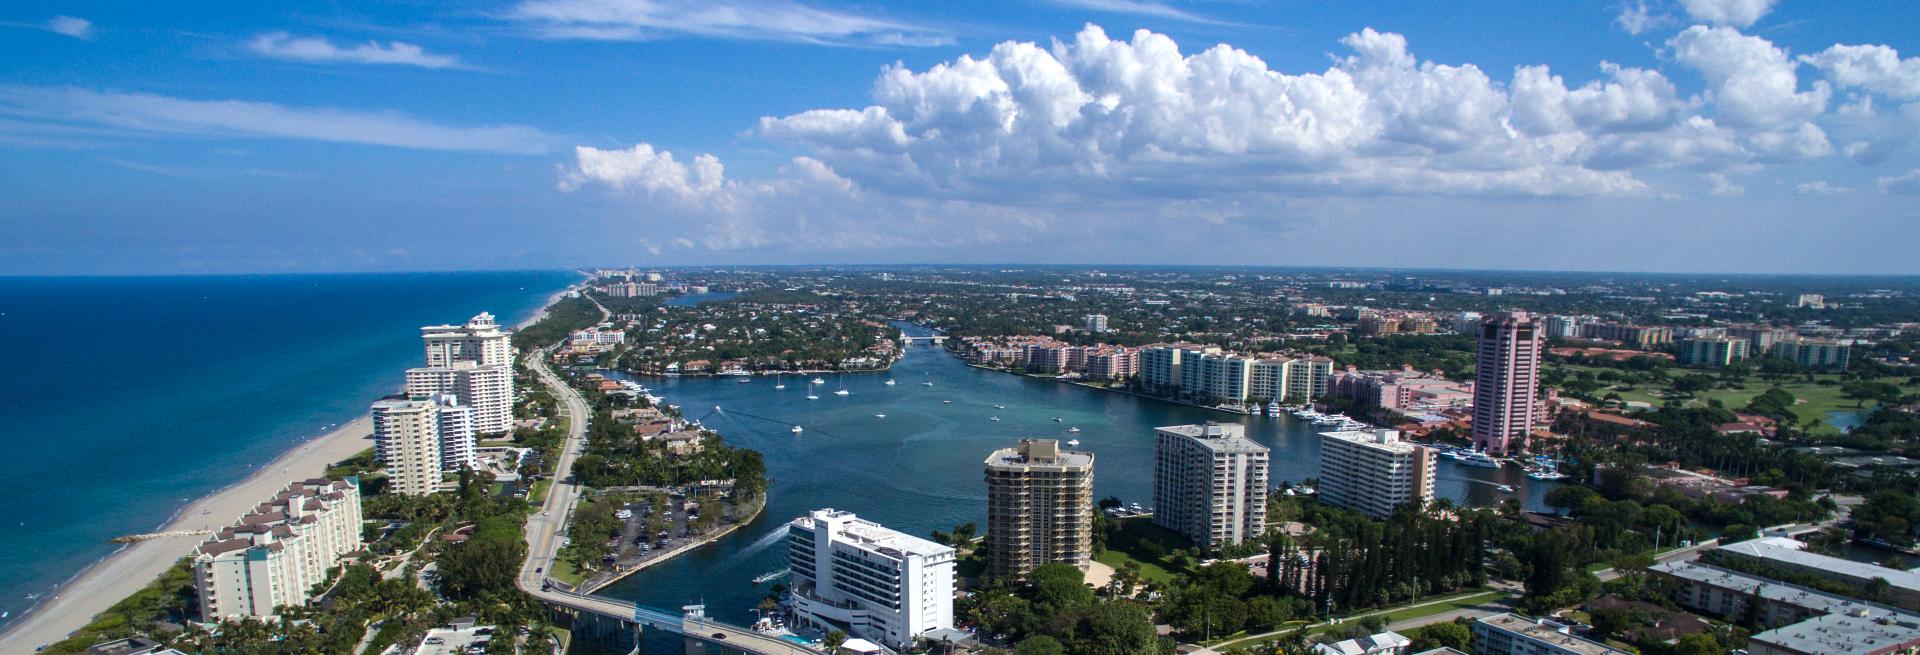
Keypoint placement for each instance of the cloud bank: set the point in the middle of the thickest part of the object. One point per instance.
(1091, 133)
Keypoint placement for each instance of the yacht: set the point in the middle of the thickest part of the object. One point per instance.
(1547, 475)
(889, 383)
(1073, 442)
(796, 429)
(1073, 429)
(1056, 419)
(1481, 460)
(995, 418)
(946, 402)
(819, 381)
(879, 415)
(926, 384)
(1505, 488)
(1273, 408)
(999, 406)
(744, 380)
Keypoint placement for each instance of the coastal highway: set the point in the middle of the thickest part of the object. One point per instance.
(544, 526)
(543, 544)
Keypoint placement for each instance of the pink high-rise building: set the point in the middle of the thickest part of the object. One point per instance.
(1506, 382)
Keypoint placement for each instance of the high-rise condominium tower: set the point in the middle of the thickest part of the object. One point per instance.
(1039, 508)
(1506, 381)
(474, 362)
(1210, 483)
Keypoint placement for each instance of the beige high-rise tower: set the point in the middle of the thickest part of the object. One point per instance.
(1210, 483)
(1039, 508)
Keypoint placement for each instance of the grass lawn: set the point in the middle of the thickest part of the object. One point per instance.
(1451, 604)
(537, 494)
(1139, 540)
(564, 571)
(1815, 400)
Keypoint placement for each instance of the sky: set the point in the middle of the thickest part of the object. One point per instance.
(1747, 136)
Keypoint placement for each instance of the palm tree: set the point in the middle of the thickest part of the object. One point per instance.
(833, 641)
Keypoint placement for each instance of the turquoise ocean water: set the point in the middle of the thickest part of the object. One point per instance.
(122, 397)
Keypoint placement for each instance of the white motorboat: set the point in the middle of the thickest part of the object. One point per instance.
(1505, 488)
(1073, 429)
(818, 381)
(1073, 442)
(999, 406)
(995, 418)
(889, 383)
(926, 384)
(796, 429)
(1481, 460)
(879, 415)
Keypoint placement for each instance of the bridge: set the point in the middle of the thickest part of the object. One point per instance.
(543, 544)
(932, 338)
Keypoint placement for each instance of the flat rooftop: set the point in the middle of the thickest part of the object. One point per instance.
(875, 536)
(1789, 551)
(1381, 440)
(1844, 633)
(1747, 583)
(1217, 436)
(1548, 633)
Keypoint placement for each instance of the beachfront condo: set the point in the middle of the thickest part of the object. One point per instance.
(474, 362)
(417, 439)
(1210, 484)
(1039, 508)
(874, 583)
(273, 556)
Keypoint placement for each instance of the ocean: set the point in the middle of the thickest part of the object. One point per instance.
(920, 468)
(122, 397)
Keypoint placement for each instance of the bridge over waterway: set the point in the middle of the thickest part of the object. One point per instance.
(611, 614)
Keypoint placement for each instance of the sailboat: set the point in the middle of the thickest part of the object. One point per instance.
(843, 387)
(812, 397)
(777, 384)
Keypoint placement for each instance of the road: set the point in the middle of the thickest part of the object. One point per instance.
(544, 527)
(543, 543)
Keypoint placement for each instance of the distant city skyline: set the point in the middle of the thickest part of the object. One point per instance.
(1686, 136)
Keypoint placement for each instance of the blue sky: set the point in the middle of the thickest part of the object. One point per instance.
(1662, 135)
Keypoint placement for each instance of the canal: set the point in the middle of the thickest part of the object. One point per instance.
(919, 468)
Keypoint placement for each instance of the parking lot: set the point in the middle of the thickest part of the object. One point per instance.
(449, 641)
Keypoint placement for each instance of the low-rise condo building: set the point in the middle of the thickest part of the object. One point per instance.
(1512, 634)
(273, 556)
(1712, 352)
(1791, 556)
(873, 583)
(1039, 508)
(1374, 472)
(1210, 483)
(1814, 354)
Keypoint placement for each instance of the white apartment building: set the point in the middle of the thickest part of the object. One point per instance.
(871, 582)
(480, 341)
(1096, 323)
(488, 389)
(1207, 374)
(473, 362)
(273, 556)
(1374, 472)
(1512, 634)
(417, 439)
(1210, 483)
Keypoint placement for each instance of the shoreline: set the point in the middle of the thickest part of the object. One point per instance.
(106, 581)
(119, 574)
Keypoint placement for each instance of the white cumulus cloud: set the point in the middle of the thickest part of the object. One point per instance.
(1738, 13)
(1820, 188)
(280, 45)
(1876, 68)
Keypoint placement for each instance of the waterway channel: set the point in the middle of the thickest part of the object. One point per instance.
(919, 468)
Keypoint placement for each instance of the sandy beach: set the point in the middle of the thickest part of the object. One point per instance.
(126, 571)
